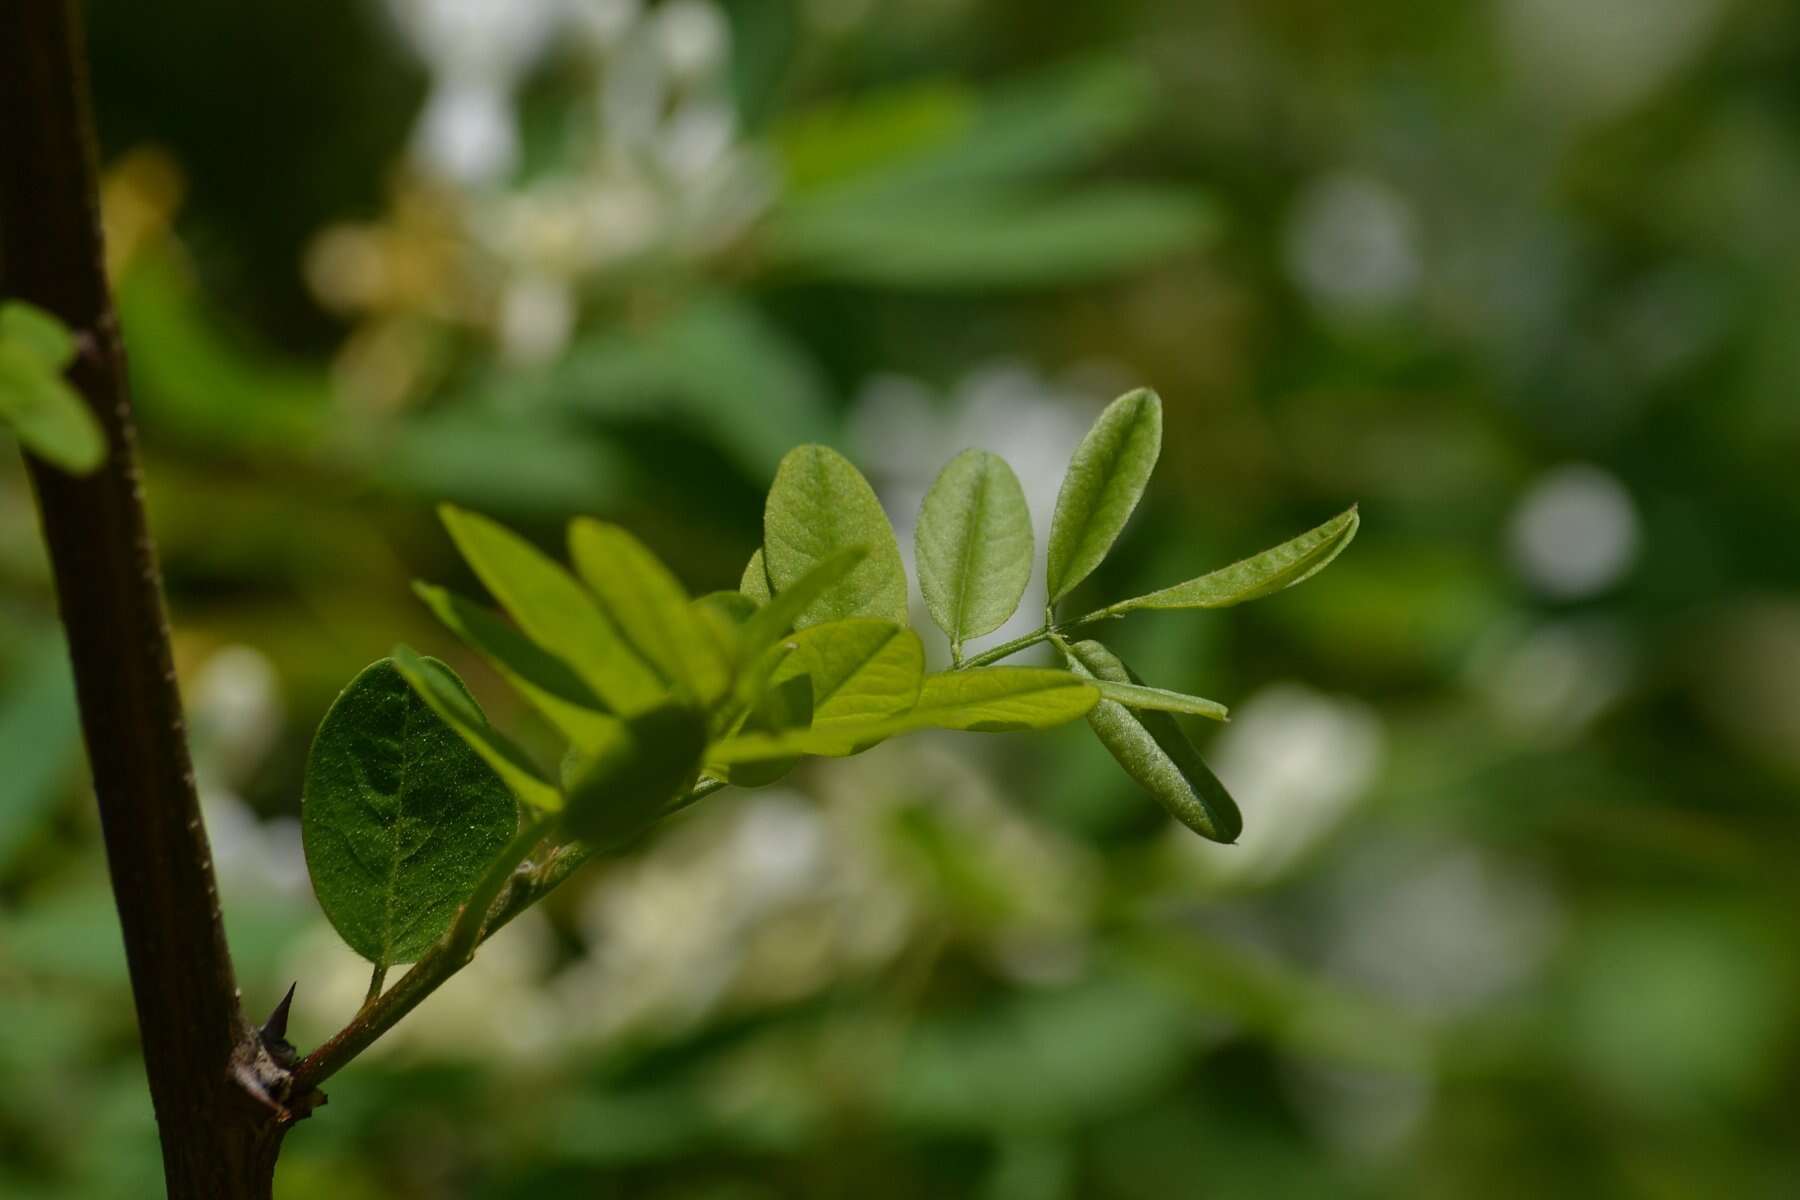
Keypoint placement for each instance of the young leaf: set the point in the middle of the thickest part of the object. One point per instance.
(1155, 752)
(398, 817)
(1106, 479)
(554, 610)
(627, 786)
(38, 331)
(818, 506)
(649, 608)
(973, 546)
(1261, 575)
(787, 705)
(552, 687)
(446, 696)
(861, 670)
(776, 617)
(755, 583)
(1156, 699)
(989, 700)
(49, 417)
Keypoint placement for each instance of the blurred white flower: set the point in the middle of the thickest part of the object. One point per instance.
(1599, 56)
(1297, 761)
(1442, 930)
(477, 39)
(1549, 683)
(537, 315)
(693, 36)
(234, 712)
(1575, 532)
(496, 1007)
(603, 24)
(1353, 245)
(251, 855)
(466, 133)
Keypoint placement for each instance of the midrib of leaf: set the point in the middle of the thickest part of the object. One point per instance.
(406, 766)
(969, 541)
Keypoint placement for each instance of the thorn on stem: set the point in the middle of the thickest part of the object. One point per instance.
(274, 1030)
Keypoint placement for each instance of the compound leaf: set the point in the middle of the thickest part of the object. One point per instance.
(644, 601)
(622, 791)
(398, 817)
(989, 700)
(554, 610)
(861, 670)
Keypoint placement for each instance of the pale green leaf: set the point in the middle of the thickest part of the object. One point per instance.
(1133, 695)
(820, 506)
(38, 331)
(621, 791)
(786, 607)
(438, 686)
(1154, 751)
(989, 700)
(398, 817)
(554, 610)
(861, 670)
(549, 683)
(644, 601)
(786, 705)
(755, 583)
(1260, 575)
(1106, 479)
(973, 546)
(49, 417)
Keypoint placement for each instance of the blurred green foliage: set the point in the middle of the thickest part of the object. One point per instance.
(1513, 910)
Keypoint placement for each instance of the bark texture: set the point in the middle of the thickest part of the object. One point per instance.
(220, 1099)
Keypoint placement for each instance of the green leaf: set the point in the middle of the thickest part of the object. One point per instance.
(446, 696)
(989, 700)
(861, 670)
(1261, 575)
(38, 331)
(786, 607)
(1105, 481)
(755, 583)
(1156, 699)
(987, 240)
(549, 683)
(1155, 752)
(554, 610)
(820, 506)
(398, 817)
(49, 417)
(648, 606)
(787, 705)
(629, 784)
(973, 546)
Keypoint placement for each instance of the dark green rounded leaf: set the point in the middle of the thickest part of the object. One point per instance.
(398, 817)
